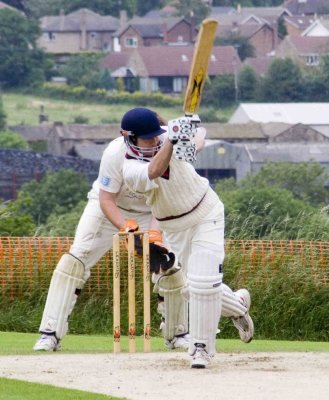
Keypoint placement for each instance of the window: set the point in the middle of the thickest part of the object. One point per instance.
(50, 36)
(312, 59)
(131, 42)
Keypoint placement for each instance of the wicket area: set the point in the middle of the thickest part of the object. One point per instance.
(117, 249)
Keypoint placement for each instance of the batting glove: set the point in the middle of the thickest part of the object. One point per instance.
(185, 150)
(183, 128)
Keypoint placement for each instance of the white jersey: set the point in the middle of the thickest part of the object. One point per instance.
(179, 199)
(110, 179)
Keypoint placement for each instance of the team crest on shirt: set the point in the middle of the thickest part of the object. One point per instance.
(105, 180)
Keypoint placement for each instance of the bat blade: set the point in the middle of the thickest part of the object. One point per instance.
(199, 66)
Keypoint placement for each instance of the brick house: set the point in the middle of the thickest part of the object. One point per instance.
(259, 25)
(319, 28)
(81, 30)
(307, 7)
(306, 50)
(144, 32)
(261, 36)
(296, 24)
(166, 68)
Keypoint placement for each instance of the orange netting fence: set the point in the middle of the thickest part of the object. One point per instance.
(29, 261)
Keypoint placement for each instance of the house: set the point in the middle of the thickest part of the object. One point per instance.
(307, 7)
(296, 24)
(81, 30)
(260, 64)
(291, 113)
(259, 25)
(262, 36)
(305, 50)
(166, 68)
(143, 32)
(73, 139)
(320, 27)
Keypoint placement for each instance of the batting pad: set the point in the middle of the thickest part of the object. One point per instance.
(231, 304)
(62, 296)
(175, 305)
(204, 282)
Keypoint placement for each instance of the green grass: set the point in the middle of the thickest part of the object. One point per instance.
(13, 343)
(12, 389)
(25, 109)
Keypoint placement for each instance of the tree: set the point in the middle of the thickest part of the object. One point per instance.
(83, 70)
(12, 140)
(39, 8)
(248, 84)
(143, 6)
(220, 92)
(57, 193)
(103, 7)
(21, 61)
(14, 222)
(3, 116)
(282, 29)
(306, 180)
(64, 224)
(193, 8)
(244, 48)
(282, 82)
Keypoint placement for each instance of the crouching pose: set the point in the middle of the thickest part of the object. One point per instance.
(191, 215)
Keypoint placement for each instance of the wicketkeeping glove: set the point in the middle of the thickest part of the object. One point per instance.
(130, 225)
(160, 256)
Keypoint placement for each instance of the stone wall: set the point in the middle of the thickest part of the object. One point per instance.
(18, 167)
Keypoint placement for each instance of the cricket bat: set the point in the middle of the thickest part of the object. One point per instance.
(199, 66)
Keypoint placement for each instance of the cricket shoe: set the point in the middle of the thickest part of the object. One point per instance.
(244, 324)
(178, 342)
(47, 342)
(200, 357)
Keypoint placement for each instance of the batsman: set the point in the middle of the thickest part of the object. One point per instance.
(189, 212)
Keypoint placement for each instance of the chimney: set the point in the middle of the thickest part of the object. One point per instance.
(61, 19)
(123, 18)
(83, 29)
(238, 8)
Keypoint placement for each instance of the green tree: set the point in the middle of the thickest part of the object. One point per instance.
(282, 29)
(12, 140)
(57, 193)
(242, 45)
(3, 116)
(143, 6)
(282, 82)
(22, 63)
(14, 222)
(64, 224)
(83, 70)
(248, 84)
(306, 180)
(193, 8)
(324, 74)
(39, 8)
(220, 92)
(103, 7)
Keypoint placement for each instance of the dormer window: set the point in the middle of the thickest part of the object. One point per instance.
(131, 42)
